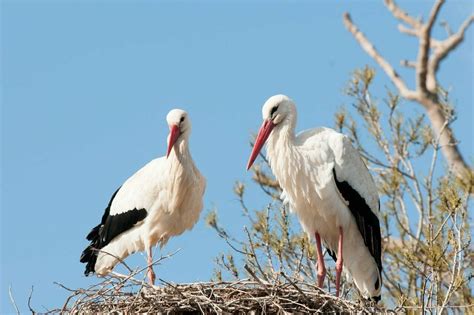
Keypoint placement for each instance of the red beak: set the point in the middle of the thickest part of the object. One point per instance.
(174, 134)
(262, 137)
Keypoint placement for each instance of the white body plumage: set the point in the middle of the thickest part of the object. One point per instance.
(304, 166)
(161, 200)
(305, 174)
(172, 194)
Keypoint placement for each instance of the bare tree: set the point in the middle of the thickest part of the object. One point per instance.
(427, 90)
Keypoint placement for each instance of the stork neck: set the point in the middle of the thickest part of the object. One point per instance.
(281, 139)
(282, 154)
(180, 153)
(181, 174)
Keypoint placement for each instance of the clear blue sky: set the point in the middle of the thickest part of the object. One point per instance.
(86, 86)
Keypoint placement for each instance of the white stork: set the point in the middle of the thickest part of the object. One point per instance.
(327, 184)
(161, 200)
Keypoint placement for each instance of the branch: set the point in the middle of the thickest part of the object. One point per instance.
(434, 14)
(29, 301)
(424, 48)
(434, 43)
(370, 49)
(448, 29)
(426, 93)
(443, 50)
(407, 30)
(12, 299)
(402, 15)
(447, 141)
(408, 63)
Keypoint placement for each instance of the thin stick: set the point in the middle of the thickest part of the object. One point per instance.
(29, 301)
(12, 300)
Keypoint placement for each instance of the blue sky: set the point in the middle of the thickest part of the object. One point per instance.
(86, 86)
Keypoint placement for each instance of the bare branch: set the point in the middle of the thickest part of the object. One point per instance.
(442, 51)
(447, 141)
(29, 301)
(408, 63)
(402, 15)
(12, 299)
(409, 31)
(447, 28)
(370, 49)
(434, 43)
(433, 15)
(424, 48)
(426, 93)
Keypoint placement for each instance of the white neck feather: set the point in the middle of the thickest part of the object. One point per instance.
(183, 173)
(282, 153)
(287, 162)
(180, 154)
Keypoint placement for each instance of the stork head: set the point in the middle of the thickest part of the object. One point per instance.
(277, 111)
(180, 126)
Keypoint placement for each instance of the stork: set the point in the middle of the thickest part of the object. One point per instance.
(326, 183)
(161, 200)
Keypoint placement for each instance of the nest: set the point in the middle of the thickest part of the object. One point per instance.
(125, 294)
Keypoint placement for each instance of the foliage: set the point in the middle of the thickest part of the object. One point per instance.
(427, 252)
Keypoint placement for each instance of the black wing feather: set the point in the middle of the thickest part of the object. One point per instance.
(331, 253)
(109, 227)
(366, 220)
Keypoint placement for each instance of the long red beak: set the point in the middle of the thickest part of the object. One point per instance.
(262, 136)
(174, 134)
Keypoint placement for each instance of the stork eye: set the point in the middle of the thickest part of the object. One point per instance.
(182, 119)
(274, 109)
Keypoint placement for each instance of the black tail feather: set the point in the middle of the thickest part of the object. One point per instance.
(89, 255)
(93, 233)
(110, 227)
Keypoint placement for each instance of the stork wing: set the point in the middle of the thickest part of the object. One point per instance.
(357, 188)
(128, 207)
(367, 221)
(352, 180)
(109, 227)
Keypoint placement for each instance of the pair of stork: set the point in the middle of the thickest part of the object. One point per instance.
(323, 178)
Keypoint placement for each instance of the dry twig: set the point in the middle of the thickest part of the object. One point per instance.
(239, 297)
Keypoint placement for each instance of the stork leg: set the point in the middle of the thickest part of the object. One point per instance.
(339, 262)
(321, 267)
(150, 273)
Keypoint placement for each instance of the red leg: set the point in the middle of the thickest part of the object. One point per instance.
(321, 267)
(151, 273)
(339, 261)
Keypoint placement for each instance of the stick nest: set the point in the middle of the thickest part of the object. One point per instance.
(127, 295)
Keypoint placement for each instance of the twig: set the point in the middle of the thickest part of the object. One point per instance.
(12, 299)
(250, 271)
(29, 301)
